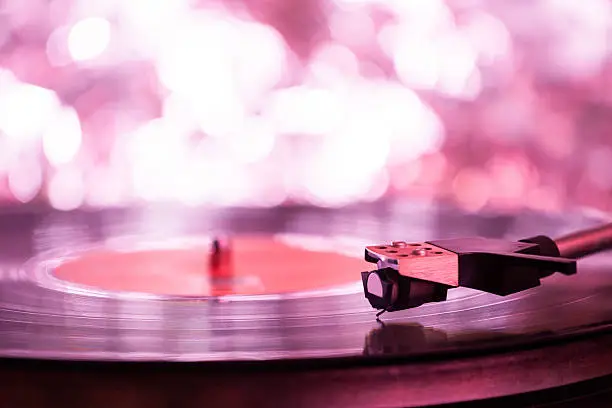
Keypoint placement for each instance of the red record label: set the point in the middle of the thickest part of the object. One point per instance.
(246, 266)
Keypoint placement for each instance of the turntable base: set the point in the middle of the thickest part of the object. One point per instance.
(85, 343)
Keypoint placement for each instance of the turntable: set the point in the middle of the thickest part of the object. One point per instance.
(187, 307)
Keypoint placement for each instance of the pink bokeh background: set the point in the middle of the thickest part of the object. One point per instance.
(489, 104)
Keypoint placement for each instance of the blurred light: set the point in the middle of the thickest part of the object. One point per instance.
(104, 188)
(7, 152)
(260, 56)
(421, 14)
(428, 51)
(152, 13)
(387, 38)
(195, 63)
(445, 64)
(488, 35)
(511, 176)
(378, 187)
(204, 178)
(458, 75)
(343, 3)
(193, 189)
(179, 114)
(269, 196)
(5, 34)
(366, 104)
(472, 188)
(22, 14)
(352, 28)
(433, 169)
(222, 118)
(404, 176)
(346, 168)
(146, 23)
(89, 38)
(555, 134)
(57, 47)
(418, 24)
(397, 114)
(417, 64)
(595, 13)
(62, 139)
(26, 110)
(7, 78)
(305, 110)
(254, 141)
(158, 161)
(85, 7)
(218, 66)
(25, 179)
(332, 63)
(66, 189)
(213, 179)
(498, 125)
(371, 70)
(544, 198)
(598, 167)
(582, 32)
(365, 124)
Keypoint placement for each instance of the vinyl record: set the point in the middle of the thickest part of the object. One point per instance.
(141, 286)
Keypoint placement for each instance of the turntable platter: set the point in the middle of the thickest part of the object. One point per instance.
(59, 320)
